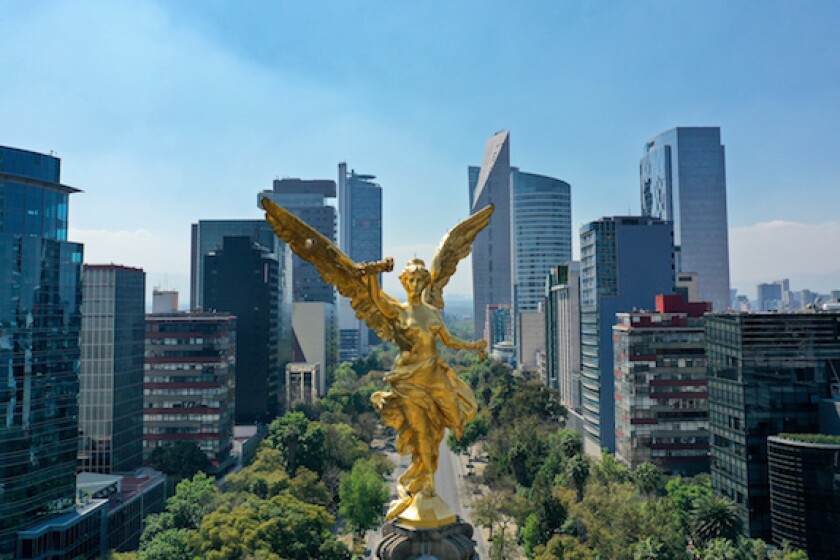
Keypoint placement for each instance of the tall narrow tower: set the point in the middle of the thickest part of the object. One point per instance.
(111, 369)
(360, 238)
(491, 255)
(683, 180)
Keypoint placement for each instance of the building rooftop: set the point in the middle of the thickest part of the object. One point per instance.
(818, 439)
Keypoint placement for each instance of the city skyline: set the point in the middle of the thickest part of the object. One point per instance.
(179, 112)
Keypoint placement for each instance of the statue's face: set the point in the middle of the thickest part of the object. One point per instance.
(414, 282)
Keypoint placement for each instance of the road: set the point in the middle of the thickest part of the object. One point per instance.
(450, 485)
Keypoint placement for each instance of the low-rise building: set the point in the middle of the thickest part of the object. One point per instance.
(77, 532)
(303, 383)
(131, 498)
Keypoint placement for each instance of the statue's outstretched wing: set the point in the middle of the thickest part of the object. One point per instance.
(336, 268)
(454, 246)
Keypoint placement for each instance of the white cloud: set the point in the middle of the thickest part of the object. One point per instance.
(807, 254)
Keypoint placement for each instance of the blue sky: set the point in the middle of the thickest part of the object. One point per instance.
(168, 112)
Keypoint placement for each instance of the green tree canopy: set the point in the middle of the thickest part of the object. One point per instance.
(564, 547)
(172, 544)
(282, 528)
(265, 477)
(194, 498)
(648, 479)
(714, 517)
(362, 494)
(683, 493)
(301, 442)
(182, 459)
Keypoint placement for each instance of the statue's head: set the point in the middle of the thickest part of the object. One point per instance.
(415, 277)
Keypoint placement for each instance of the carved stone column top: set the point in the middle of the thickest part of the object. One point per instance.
(450, 542)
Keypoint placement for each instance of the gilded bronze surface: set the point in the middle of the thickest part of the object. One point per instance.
(426, 396)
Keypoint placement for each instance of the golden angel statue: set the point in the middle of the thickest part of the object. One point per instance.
(426, 396)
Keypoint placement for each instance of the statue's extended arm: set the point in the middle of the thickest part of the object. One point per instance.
(458, 344)
(379, 300)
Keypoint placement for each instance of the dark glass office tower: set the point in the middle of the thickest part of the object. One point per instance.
(207, 236)
(111, 376)
(767, 373)
(625, 262)
(40, 298)
(241, 279)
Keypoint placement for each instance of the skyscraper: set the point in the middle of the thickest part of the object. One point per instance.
(40, 320)
(683, 180)
(625, 262)
(308, 200)
(360, 238)
(541, 234)
(207, 236)
(767, 373)
(491, 255)
(111, 369)
(562, 339)
(360, 215)
(241, 279)
(774, 296)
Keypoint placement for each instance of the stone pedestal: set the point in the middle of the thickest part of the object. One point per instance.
(450, 542)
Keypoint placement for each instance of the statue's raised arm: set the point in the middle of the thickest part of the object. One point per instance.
(355, 281)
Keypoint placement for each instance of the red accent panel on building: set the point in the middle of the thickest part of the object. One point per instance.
(196, 385)
(677, 304)
(181, 410)
(180, 437)
(186, 359)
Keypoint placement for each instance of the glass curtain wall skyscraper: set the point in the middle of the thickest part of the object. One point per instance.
(360, 238)
(625, 261)
(541, 234)
(683, 180)
(767, 373)
(208, 238)
(111, 370)
(241, 279)
(208, 235)
(40, 320)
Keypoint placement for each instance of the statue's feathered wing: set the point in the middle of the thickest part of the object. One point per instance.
(454, 246)
(336, 268)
